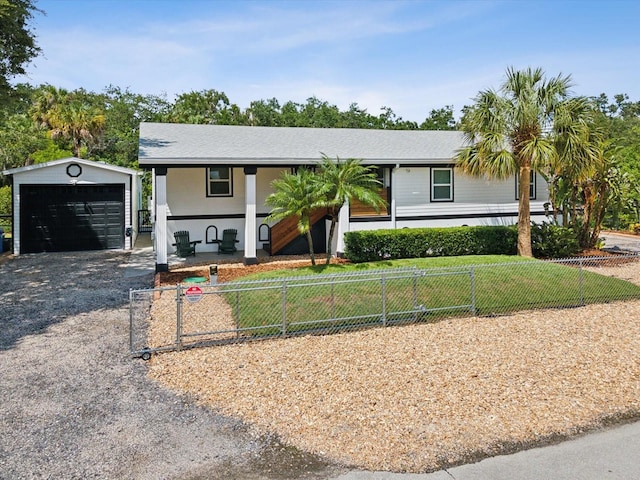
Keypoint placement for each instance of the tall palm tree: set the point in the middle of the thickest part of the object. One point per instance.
(80, 124)
(73, 116)
(340, 182)
(295, 195)
(511, 132)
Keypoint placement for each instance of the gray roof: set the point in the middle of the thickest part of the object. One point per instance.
(174, 144)
(62, 161)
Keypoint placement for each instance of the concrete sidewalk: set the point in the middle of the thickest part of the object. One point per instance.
(612, 454)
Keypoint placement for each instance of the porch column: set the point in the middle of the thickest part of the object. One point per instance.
(250, 257)
(161, 219)
(343, 227)
(393, 196)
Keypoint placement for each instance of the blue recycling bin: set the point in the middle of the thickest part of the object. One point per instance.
(1, 240)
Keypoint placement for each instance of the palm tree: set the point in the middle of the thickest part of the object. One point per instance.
(511, 132)
(75, 117)
(340, 182)
(295, 195)
(80, 124)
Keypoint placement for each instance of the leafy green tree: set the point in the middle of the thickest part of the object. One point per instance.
(264, 113)
(440, 119)
(512, 131)
(295, 195)
(620, 122)
(50, 151)
(5, 201)
(124, 110)
(318, 113)
(202, 107)
(17, 42)
(388, 120)
(339, 182)
(19, 139)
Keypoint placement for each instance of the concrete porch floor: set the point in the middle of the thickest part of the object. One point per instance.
(144, 243)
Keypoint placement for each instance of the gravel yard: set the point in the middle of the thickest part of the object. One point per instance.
(422, 397)
(73, 404)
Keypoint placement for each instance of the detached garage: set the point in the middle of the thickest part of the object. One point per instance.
(73, 204)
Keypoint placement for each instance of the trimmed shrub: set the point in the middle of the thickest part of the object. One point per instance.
(553, 241)
(374, 245)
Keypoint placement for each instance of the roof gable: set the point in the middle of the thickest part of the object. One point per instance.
(69, 160)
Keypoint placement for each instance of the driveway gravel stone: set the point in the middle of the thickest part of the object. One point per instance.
(74, 404)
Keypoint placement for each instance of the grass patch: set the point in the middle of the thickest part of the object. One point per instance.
(444, 287)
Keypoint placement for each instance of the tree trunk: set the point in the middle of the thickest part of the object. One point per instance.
(524, 212)
(332, 229)
(311, 254)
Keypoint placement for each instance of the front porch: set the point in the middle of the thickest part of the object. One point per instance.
(210, 258)
(144, 243)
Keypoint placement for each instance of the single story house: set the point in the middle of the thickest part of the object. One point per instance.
(207, 178)
(73, 204)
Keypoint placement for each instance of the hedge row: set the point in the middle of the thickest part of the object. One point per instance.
(548, 241)
(373, 245)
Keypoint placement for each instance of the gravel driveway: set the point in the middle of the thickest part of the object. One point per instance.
(73, 404)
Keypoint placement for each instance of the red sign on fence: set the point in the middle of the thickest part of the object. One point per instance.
(193, 294)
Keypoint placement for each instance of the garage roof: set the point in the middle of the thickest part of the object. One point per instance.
(187, 144)
(79, 161)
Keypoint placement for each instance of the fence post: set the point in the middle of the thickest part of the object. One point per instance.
(131, 339)
(237, 314)
(472, 274)
(284, 308)
(415, 292)
(178, 317)
(384, 299)
(333, 299)
(581, 284)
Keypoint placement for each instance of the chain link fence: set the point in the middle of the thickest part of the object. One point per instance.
(187, 316)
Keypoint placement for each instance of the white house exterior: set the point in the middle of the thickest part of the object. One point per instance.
(211, 177)
(74, 204)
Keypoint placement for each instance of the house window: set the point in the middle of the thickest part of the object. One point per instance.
(532, 186)
(219, 182)
(441, 184)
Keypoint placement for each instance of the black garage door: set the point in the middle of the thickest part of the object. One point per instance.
(56, 218)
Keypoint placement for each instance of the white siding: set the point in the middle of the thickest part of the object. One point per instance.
(412, 187)
(186, 195)
(471, 195)
(263, 183)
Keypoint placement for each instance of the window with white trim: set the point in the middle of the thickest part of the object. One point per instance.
(219, 182)
(442, 184)
(532, 186)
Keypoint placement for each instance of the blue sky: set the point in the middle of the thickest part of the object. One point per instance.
(411, 56)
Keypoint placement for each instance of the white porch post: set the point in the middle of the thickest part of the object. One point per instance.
(162, 265)
(343, 227)
(250, 257)
(393, 196)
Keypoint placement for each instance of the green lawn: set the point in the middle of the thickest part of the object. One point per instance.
(445, 286)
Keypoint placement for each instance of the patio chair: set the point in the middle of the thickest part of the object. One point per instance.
(184, 246)
(228, 242)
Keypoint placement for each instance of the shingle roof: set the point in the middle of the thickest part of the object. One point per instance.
(62, 161)
(169, 143)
